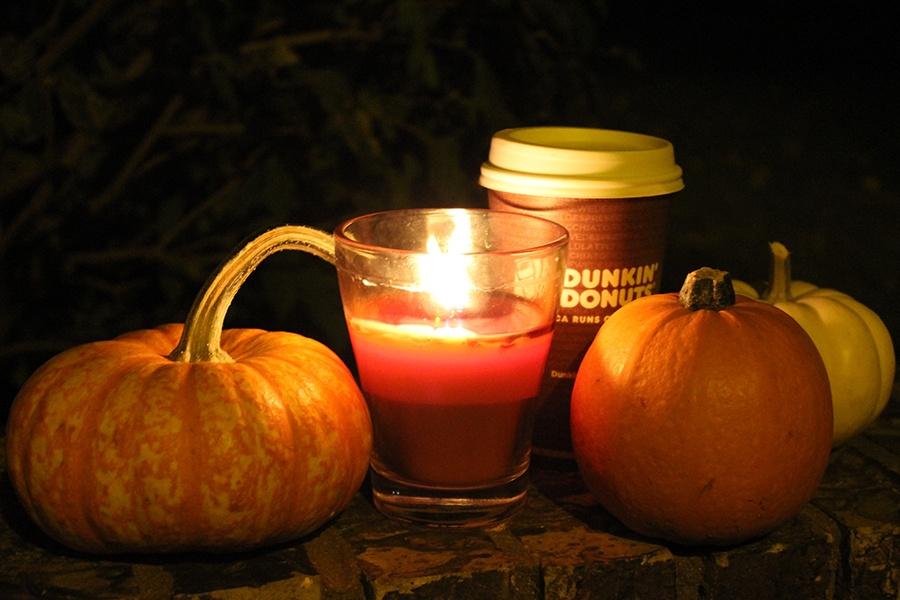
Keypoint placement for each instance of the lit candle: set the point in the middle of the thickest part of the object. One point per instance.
(448, 403)
(450, 313)
(450, 373)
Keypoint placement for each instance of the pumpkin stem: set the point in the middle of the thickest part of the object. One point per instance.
(707, 289)
(779, 289)
(201, 338)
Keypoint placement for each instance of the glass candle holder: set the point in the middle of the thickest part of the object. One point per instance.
(450, 314)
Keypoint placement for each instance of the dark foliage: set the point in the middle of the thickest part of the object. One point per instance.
(142, 141)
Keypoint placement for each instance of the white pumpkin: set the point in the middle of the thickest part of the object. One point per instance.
(854, 343)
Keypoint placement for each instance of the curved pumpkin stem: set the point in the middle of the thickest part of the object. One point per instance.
(779, 289)
(202, 335)
(707, 289)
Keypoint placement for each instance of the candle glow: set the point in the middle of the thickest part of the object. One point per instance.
(444, 270)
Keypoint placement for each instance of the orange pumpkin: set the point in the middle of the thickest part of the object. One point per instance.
(232, 440)
(701, 419)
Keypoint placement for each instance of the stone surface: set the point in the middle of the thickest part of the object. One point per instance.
(561, 546)
(861, 493)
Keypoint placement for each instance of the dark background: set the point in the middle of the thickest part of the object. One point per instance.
(142, 141)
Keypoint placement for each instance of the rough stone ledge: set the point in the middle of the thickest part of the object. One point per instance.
(844, 544)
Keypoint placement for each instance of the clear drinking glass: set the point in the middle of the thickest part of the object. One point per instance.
(450, 314)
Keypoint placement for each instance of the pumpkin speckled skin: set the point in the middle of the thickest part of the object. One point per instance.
(705, 426)
(853, 341)
(114, 447)
(191, 438)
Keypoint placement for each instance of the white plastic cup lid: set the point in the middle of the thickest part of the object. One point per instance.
(580, 162)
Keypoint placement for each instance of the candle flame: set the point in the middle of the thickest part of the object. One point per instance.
(444, 270)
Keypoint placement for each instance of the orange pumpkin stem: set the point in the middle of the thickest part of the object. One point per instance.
(779, 289)
(202, 335)
(707, 289)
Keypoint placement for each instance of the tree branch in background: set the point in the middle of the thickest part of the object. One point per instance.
(33, 208)
(113, 189)
(74, 33)
(307, 38)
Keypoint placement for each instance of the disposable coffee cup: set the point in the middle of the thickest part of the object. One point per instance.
(611, 190)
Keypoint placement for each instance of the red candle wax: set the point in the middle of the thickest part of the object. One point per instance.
(452, 406)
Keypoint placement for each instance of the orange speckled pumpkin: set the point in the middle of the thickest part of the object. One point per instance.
(701, 419)
(232, 440)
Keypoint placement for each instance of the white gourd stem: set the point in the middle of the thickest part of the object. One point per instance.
(202, 335)
(780, 275)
